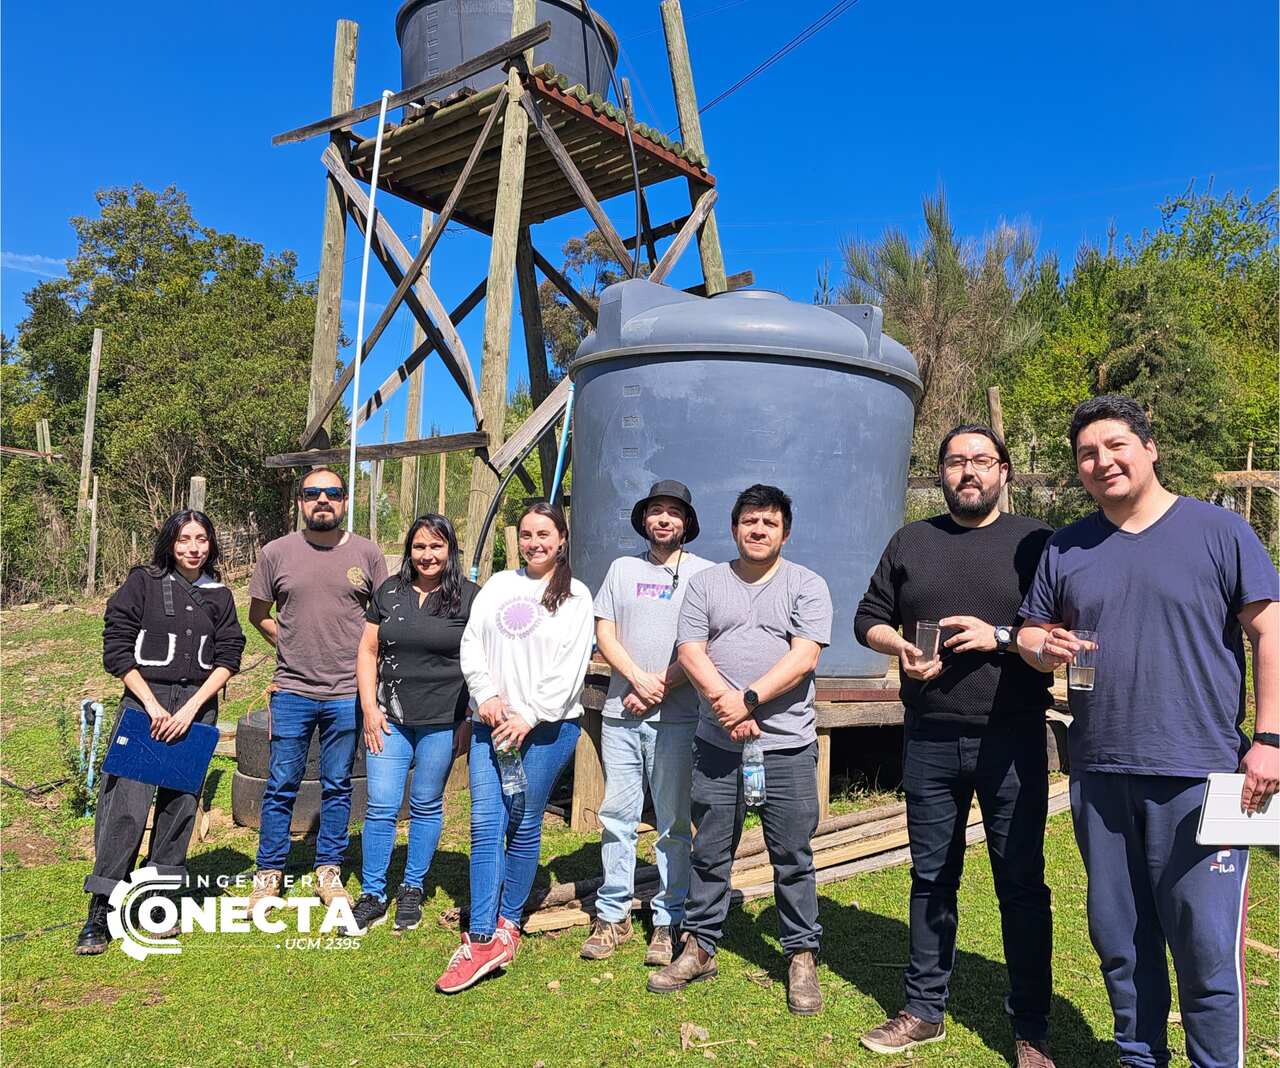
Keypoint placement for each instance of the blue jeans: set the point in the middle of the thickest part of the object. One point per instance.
(429, 751)
(634, 750)
(506, 830)
(293, 718)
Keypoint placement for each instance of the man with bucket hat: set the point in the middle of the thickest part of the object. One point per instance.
(649, 718)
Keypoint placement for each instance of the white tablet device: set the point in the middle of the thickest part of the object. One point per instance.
(1222, 823)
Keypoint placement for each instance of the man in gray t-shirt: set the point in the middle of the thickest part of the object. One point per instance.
(649, 718)
(749, 638)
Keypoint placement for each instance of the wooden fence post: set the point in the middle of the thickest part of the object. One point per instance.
(513, 547)
(444, 482)
(90, 406)
(91, 583)
(996, 412)
(324, 342)
(1248, 490)
(196, 493)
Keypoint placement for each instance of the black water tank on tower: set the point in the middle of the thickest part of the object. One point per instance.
(435, 35)
(741, 388)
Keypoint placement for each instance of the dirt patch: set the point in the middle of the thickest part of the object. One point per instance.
(29, 849)
(102, 995)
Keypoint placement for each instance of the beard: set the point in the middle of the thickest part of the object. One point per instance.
(972, 507)
(318, 520)
(664, 539)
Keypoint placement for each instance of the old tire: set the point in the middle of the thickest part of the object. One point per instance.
(253, 749)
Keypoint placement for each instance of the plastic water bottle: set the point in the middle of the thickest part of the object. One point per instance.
(511, 769)
(753, 773)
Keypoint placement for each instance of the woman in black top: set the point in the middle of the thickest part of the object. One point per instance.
(415, 704)
(172, 637)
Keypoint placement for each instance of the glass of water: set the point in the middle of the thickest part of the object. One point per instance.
(927, 634)
(1080, 671)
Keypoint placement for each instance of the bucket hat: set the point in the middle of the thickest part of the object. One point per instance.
(676, 491)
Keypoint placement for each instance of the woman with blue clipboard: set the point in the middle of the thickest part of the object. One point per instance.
(172, 637)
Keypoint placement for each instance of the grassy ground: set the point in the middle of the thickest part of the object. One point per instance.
(245, 999)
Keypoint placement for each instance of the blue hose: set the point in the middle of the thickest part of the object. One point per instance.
(564, 444)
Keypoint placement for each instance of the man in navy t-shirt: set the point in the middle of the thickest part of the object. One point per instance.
(1167, 584)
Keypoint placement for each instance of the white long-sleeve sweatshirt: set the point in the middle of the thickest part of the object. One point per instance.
(515, 649)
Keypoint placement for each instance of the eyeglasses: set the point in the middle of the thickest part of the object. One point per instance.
(332, 493)
(980, 463)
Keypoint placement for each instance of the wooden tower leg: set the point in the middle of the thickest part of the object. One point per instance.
(324, 344)
(691, 135)
(536, 346)
(411, 466)
(498, 305)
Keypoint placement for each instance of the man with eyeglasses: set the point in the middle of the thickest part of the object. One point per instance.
(320, 579)
(974, 724)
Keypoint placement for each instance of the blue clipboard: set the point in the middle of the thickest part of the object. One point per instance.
(179, 765)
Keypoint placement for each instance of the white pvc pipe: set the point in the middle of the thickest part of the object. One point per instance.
(364, 290)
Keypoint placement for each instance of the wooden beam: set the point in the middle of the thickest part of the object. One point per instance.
(498, 304)
(196, 492)
(422, 299)
(1243, 479)
(414, 270)
(410, 471)
(91, 581)
(543, 416)
(566, 287)
(472, 439)
(414, 361)
(574, 177)
(691, 135)
(90, 408)
(741, 280)
(333, 241)
(35, 454)
(519, 43)
(675, 250)
(535, 344)
(995, 412)
(667, 229)
(1248, 493)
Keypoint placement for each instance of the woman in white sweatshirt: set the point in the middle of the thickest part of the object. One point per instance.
(524, 654)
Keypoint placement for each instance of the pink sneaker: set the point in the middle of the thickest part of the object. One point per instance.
(509, 931)
(472, 961)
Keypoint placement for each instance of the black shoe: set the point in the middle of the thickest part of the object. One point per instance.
(369, 912)
(95, 936)
(408, 908)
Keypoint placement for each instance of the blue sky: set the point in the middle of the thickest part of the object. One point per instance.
(1068, 117)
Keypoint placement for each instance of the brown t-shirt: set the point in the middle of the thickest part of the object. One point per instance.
(320, 596)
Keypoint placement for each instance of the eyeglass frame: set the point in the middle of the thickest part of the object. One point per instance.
(332, 494)
(960, 463)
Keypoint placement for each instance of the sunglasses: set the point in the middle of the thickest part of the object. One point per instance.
(332, 493)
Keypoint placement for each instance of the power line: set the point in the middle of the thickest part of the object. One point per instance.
(810, 31)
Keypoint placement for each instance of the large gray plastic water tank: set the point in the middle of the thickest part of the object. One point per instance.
(435, 35)
(741, 388)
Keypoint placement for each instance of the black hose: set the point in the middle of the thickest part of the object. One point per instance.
(626, 123)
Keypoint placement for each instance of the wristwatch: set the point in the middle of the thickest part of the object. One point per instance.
(751, 699)
(1270, 738)
(1004, 639)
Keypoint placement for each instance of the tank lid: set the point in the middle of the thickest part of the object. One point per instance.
(638, 318)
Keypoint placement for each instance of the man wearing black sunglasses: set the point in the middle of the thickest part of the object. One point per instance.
(320, 579)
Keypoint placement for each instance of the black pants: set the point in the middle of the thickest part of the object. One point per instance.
(1008, 771)
(121, 815)
(789, 818)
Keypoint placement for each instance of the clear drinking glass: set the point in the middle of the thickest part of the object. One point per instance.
(927, 635)
(1080, 671)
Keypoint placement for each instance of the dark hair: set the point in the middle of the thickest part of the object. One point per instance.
(162, 558)
(558, 588)
(1002, 450)
(1110, 406)
(767, 498)
(450, 600)
(321, 470)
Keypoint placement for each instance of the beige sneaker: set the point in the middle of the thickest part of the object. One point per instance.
(605, 938)
(266, 883)
(661, 949)
(329, 885)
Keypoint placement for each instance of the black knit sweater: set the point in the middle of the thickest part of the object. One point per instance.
(181, 638)
(936, 568)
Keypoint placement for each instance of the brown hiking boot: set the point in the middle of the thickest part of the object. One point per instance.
(605, 938)
(804, 995)
(266, 883)
(662, 948)
(903, 1032)
(1030, 1054)
(692, 966)
(329, 886)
